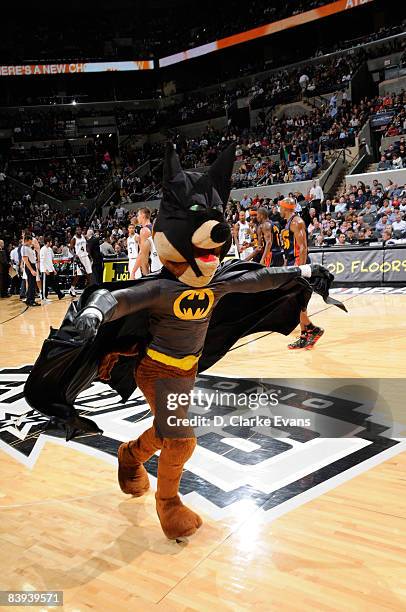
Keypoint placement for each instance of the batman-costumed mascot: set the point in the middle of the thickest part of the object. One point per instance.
(159, 331)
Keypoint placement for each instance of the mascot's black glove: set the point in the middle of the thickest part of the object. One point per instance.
(99, 309)
(88, 322)
(321, 280)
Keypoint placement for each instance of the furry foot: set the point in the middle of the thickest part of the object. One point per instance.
(132, 475)
(177, 521)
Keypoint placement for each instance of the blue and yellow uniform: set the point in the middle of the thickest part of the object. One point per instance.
(290, 246)
(275, 257)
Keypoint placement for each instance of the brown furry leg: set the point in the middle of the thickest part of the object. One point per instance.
(176, 519)
(132, 475)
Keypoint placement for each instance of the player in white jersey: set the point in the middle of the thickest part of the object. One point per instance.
(242, 236)
(133, 252)
(150, 261)
(82, 265)
(143, 219)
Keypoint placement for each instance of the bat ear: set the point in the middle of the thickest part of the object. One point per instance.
(221, 170)
(172, 167)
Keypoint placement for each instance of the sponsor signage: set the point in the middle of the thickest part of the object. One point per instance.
(381, 119)
(383, 266)
(115, 270)
(349, 266)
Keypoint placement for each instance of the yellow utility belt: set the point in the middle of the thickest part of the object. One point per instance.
(184, 363)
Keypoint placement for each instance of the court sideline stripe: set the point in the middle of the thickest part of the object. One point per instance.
(15, 316)
(271, 332)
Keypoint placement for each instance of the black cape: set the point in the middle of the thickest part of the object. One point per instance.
(68, 364)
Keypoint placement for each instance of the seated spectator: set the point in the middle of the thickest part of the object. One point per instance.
(382, 224)
(368, 213)
(397, 162)
(309, 168)
(351, 237)
(328, 238)
(387, 234)
(245, 202)
(399, 225)
(341, 240)
(384, 164)
(341, 206)
(119, 250)
(385, 209)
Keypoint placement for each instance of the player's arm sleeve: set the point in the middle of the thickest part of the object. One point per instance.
(116, 304)
(264, 279)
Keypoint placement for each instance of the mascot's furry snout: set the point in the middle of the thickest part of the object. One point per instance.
(211, 234)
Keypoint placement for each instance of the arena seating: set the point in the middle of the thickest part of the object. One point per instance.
(64, 178)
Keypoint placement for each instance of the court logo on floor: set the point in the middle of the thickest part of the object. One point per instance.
(319, 429)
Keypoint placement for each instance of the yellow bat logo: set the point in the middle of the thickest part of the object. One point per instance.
(193, 304)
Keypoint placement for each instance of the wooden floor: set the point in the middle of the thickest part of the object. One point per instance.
(64, 524)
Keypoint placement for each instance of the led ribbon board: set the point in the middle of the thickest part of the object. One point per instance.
(265, 30)
(75, 68)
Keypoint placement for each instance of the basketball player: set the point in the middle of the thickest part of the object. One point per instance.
(133, 252)
(82, 266)
(294, 241)
(144, 220)
(241, 234)
(272, 256)
(262, 229)
(150, 261)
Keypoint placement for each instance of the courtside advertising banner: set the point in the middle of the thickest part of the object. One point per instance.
(363, 266)
(394, 266)
(74, 68)
(353, 266)
(115, 270)
(265, 30)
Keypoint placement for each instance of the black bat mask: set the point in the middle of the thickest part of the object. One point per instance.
(190, 199)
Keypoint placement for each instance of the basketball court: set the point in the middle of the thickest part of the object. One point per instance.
(296, 524)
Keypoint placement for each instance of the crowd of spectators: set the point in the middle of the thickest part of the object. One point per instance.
(276, 88)
(65, 178)
(362, 214)
(283, 149)
(286, 149)
(394, 157)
